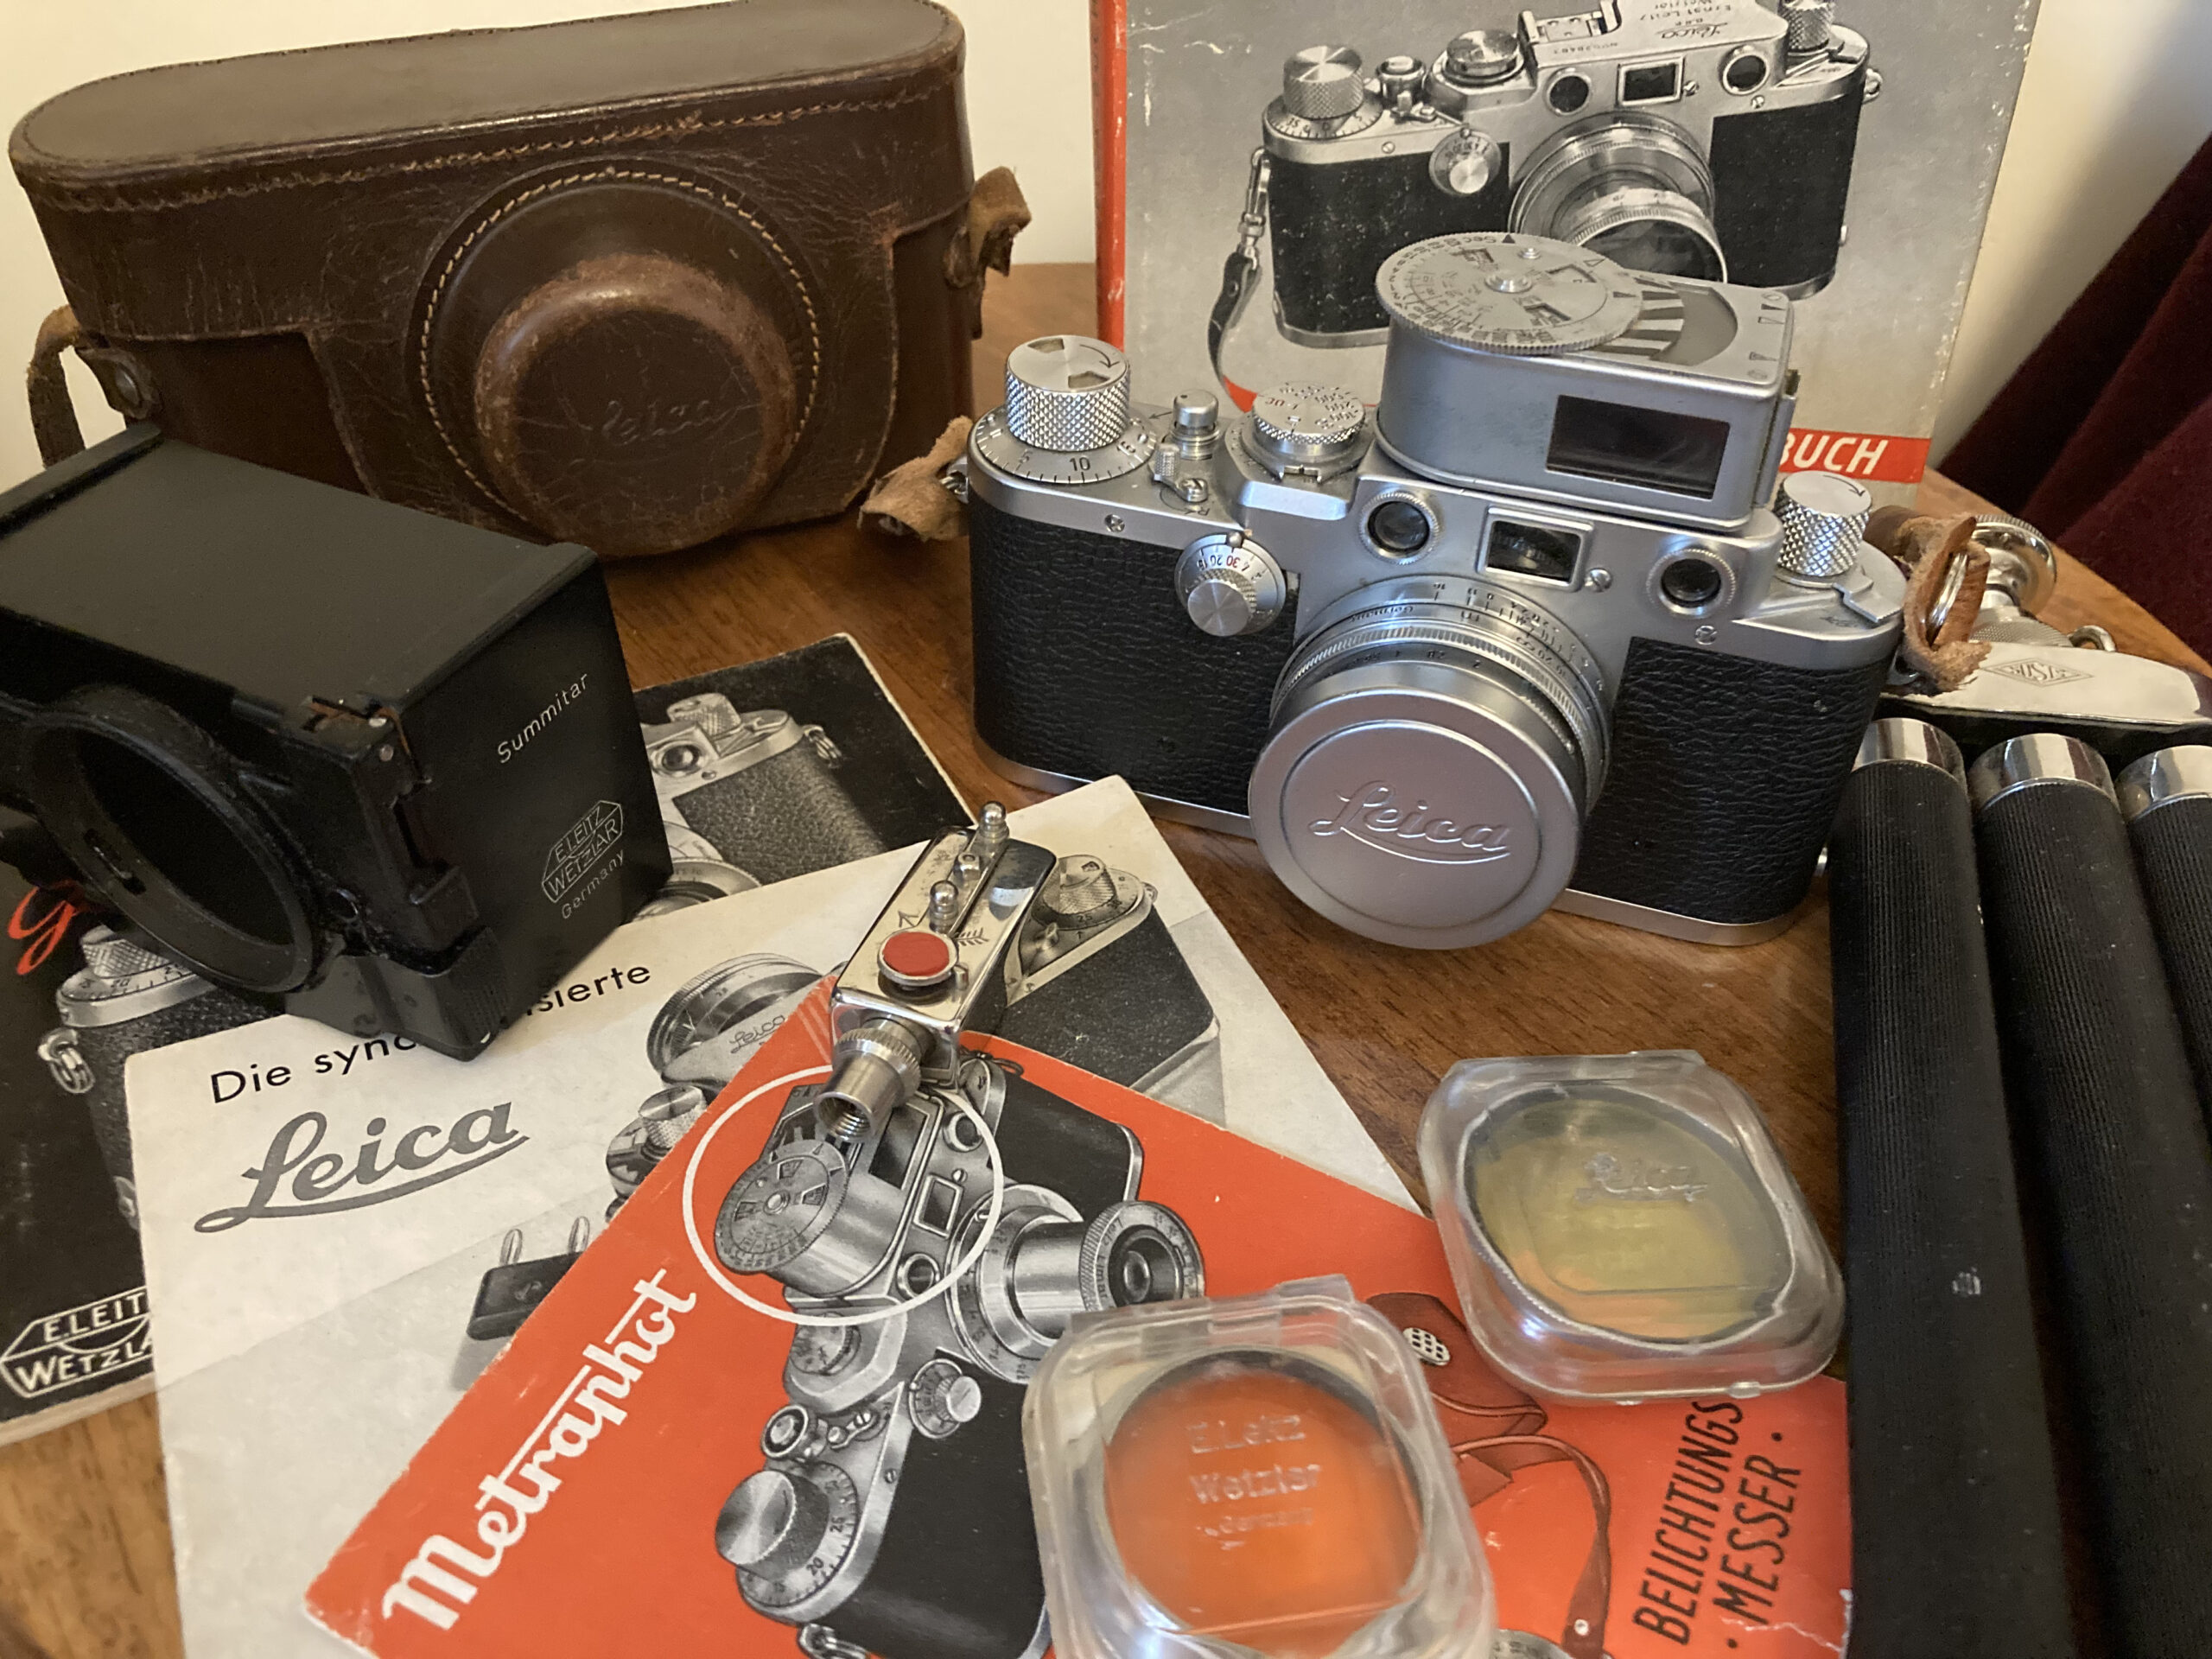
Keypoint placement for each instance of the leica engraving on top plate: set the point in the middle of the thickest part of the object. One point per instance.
(2035, 672)
(1370, 817)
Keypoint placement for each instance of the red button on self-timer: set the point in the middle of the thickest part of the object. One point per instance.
(915, 959)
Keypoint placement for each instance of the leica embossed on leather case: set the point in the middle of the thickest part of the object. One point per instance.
(633, 282)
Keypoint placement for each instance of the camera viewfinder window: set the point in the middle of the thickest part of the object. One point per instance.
(1650, 447)
(1651, 83)
(1533, 550)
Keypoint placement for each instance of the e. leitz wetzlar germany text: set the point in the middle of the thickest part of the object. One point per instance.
(96, 1340)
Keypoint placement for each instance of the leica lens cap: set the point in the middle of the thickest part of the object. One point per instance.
(1422, 857)
(1417, 819)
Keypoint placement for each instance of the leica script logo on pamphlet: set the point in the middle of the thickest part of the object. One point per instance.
(321, 1182)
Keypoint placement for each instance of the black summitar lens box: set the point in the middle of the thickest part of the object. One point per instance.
(322, 747)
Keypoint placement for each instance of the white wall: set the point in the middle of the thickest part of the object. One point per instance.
(2116, 98)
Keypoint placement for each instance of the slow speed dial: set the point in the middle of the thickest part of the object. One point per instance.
(1066, 416)
(787, 1531)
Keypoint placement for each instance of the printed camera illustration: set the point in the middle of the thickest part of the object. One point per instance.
(1096, 979)
(891, 1515)
(749, 798)
(1529, 634)
(700, 1039)
(125, 999)
(1713, 140)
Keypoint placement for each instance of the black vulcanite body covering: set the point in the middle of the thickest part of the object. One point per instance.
(2173, 855)
(2107, 1114)
(1956, 1552)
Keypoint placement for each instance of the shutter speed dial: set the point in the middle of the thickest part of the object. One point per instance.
(1066, 416)
(1231, 585)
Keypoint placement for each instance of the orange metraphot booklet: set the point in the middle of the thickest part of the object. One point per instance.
(659, 1464)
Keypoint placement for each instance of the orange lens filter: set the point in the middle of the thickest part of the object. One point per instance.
(1252, 1500)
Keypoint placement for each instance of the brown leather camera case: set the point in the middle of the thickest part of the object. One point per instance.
(635, 282)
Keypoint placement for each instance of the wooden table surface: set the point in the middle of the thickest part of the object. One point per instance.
(84, 1566)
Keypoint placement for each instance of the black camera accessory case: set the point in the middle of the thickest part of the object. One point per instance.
(2107, 1116)
(377, 763)
(1957, 1548)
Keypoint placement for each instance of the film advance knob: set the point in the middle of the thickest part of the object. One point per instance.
(1229, 584)
(1823, 523)
(1322, 83)
(1067, 392)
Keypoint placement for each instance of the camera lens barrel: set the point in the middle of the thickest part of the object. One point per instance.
(1956, 1545)
(2107, 1114)
(1430, 760)
(1630, 186)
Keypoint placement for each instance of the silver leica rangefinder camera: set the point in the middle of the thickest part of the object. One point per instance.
(1529, 634)
(1706, 138)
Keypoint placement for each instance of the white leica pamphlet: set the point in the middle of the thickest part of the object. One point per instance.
(337, 1234)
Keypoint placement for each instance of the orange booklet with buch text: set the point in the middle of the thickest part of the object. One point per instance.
(662, 1462)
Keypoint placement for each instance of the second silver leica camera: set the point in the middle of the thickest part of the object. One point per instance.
(1530, 632)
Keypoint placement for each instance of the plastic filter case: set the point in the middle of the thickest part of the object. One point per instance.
(1259, 1475)
(1621, 1227)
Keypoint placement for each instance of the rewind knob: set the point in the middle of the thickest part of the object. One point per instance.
(1823, 524)
(1067, 392)
(1066, 416)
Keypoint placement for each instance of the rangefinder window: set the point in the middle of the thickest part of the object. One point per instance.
(1533, 550)
(1652, 83)
(1651, 447)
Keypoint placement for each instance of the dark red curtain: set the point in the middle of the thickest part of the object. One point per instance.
(2103, 439)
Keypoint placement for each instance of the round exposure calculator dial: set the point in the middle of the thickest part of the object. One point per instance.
(1066, 416)
(1525, 296)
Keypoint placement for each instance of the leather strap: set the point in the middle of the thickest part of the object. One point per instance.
(1239, 272)
(1584, 1634)
(996, 213)
(53, 418)
(1463, 1383)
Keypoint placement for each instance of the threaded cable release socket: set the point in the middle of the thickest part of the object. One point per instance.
(874, 1067)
